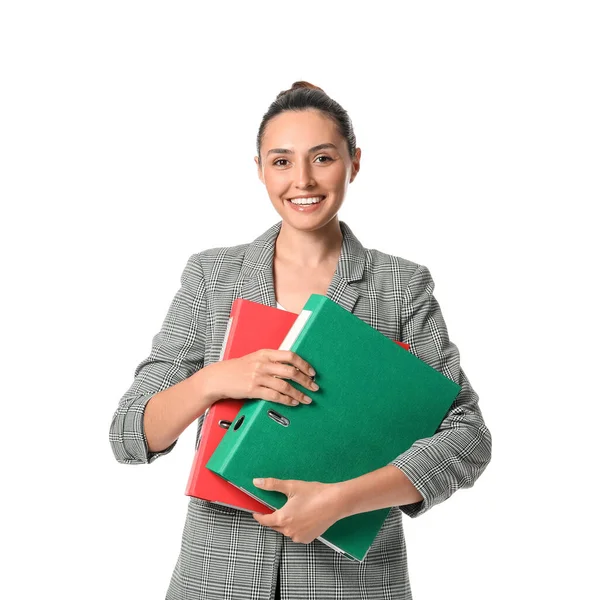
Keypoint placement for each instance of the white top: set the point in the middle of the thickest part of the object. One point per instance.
(278, 305)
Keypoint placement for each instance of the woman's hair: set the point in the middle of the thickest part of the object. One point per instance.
(304, 96)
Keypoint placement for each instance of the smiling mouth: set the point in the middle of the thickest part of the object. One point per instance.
(306, 201)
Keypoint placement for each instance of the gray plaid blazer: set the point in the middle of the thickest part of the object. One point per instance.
(225, 553)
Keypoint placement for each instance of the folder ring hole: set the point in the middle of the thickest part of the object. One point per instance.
(238, 423)
(278, 418)
(224, 424)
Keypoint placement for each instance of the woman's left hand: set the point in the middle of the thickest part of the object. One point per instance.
(311, 508)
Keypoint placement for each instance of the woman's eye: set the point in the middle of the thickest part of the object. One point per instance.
(278, 162)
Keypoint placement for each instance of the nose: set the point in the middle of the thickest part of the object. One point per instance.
(305, 177)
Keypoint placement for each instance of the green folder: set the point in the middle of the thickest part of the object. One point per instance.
(375, 400)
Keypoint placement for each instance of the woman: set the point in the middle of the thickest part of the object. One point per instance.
(306, 158)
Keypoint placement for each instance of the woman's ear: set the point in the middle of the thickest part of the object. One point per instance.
(259, 169)
(356, 163)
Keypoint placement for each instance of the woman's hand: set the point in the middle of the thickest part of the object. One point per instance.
(311, 508)
(262, 374)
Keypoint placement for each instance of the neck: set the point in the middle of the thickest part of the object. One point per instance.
(309, 249)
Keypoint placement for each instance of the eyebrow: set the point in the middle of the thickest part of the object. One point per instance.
(314, 149)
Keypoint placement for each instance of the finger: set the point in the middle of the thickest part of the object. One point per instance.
(271, 395)
(273, 484)
(266, 520)
(291, 394)
(286, 356)
(266, 365)
(293, 373)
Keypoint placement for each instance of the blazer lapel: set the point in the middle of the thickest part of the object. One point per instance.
(256, 271)
(350, 268)
(258, 279)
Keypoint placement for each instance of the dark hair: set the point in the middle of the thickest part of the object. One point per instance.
(304, 96)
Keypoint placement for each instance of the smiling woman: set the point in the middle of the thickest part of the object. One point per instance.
(310, 157)
(306, 158)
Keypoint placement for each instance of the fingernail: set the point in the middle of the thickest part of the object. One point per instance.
(311, 372)
(258, 481)
(315, 386)
(295, 402)
(308, 399)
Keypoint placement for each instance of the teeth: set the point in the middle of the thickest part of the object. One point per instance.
(313, 200)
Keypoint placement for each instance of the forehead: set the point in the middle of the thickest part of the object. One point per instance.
(298, 129)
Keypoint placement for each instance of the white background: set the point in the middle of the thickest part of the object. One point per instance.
(127, 137)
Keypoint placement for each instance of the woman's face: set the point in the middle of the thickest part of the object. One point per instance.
(303, 155)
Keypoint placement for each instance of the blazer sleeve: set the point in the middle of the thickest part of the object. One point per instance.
(177, 352)
(459, 451)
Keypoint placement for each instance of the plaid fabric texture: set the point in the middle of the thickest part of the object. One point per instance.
(225, 554)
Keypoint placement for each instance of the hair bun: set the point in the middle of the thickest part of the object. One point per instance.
(305, 84)
(300, 84)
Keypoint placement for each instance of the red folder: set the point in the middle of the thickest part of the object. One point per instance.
(251, 327)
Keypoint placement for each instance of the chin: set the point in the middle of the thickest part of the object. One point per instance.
(307, 223)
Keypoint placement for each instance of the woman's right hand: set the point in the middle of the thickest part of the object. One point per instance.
(262, 374)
